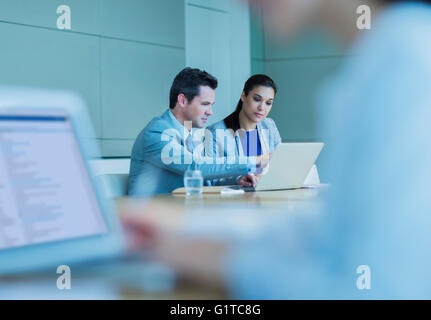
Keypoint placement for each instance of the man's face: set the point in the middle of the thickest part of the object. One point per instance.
(200, 108)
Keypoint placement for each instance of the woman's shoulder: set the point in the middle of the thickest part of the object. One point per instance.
(268, 123)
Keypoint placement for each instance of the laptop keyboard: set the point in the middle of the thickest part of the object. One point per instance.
(246, 189)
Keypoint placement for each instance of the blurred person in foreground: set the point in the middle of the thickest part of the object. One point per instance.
(375, 112)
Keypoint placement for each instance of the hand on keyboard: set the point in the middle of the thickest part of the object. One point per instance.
(249, 180)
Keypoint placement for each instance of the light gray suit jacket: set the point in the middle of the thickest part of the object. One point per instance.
(160, 158)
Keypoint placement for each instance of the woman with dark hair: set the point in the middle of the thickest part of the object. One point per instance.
(248, 132)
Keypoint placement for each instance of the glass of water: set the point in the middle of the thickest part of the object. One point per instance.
(193, 182)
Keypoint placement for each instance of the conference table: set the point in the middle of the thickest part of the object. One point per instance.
(174, 205)
(168, 212)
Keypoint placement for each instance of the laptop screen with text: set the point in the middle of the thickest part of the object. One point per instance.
(46, 194)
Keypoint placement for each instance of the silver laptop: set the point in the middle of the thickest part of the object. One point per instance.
(51, 212)
(289, 166)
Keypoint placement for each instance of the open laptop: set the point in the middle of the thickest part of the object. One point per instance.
(51, 212)
(288, 167)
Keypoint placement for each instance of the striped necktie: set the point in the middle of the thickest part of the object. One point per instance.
(189, 143)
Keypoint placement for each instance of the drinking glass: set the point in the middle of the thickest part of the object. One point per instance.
(193, 182)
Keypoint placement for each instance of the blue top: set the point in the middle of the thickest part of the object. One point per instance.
(251, 143)
(376, 114)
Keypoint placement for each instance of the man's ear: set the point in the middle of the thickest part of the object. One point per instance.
(182, 100)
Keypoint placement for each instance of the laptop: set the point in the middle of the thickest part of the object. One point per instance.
(51, 209)
(288, 167)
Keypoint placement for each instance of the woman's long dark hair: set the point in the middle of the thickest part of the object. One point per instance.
(253, 82)
(232, 121)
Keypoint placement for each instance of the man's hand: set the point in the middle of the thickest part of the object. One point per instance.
(249, 180)
(195, 259)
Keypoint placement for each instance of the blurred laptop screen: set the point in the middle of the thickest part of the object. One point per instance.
(46, 193)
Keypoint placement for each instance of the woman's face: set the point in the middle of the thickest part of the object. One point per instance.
(258, 103)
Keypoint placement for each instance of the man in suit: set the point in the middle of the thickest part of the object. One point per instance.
(165, 148)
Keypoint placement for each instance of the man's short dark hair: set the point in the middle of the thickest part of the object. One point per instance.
(188, 82)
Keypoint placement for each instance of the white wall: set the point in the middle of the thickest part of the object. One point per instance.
(218, 41)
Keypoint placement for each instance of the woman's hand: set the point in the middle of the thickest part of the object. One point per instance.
(263, 160)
